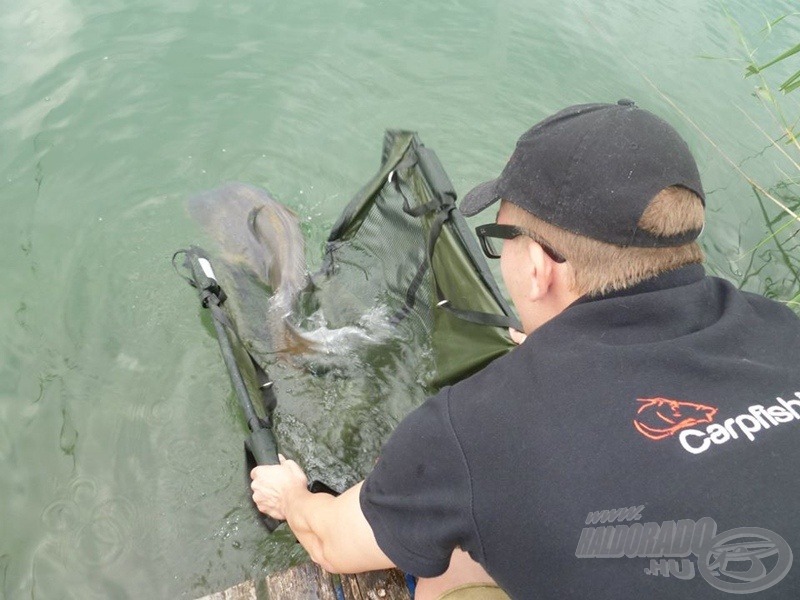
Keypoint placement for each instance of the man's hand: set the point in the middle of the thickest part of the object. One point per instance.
(333, 530)
(274, 486)
(516, 336)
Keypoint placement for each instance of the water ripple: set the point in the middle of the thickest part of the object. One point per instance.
(90, 528)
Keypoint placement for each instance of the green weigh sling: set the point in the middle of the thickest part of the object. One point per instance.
(400, 245)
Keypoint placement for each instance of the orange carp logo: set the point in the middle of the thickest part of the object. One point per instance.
(659, 418)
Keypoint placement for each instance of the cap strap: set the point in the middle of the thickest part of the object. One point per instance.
(644, 239)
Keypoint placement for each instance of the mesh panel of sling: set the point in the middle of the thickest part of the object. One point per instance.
(422, 327)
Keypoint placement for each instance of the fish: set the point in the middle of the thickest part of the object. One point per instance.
(256, 232)
(659, 418)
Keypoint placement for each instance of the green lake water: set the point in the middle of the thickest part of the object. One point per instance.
(120, 440)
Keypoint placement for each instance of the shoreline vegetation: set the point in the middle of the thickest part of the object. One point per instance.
(783, 228)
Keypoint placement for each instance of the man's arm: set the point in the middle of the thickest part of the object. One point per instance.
(333, 530)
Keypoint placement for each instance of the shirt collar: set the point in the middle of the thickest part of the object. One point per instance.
(670, 279)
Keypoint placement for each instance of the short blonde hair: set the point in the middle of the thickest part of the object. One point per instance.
(599, 267)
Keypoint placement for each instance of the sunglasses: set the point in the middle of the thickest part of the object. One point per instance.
(491, 234)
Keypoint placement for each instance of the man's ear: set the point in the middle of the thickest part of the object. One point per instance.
(540, 271)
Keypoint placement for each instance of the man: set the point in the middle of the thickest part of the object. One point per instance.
(641, 442)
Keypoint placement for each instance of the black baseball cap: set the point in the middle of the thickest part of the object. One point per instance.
(592, 169)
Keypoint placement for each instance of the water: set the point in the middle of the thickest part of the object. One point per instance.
(120, 456)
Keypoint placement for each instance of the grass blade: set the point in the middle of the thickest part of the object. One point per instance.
(753, 69)
(791, 84)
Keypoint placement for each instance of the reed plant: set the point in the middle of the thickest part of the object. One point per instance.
(774, 80)
(776, 77)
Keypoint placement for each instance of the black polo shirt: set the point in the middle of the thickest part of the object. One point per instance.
(644, 444)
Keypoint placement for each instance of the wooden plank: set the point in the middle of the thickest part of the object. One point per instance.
(303, 581)
(309, 582)
(376, 585)
(243, 591)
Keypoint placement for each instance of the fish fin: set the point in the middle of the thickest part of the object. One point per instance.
(296, 341)
(251, 221)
